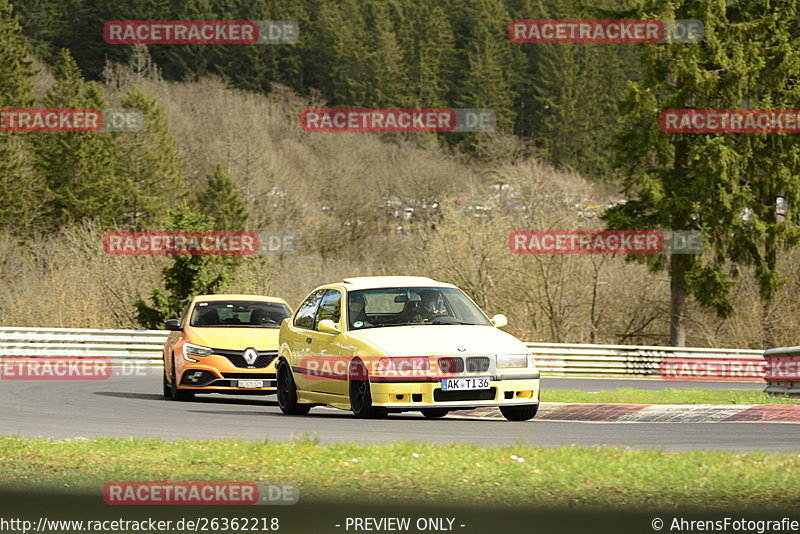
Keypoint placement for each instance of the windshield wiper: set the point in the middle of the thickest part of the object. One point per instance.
(442, 320)
(433, 322)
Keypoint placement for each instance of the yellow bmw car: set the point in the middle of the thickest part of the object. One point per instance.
(223, 344)
(388, 344)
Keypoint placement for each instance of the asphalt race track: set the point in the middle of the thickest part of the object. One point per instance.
(132, 406)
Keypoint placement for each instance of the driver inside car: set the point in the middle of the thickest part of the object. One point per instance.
(259, 317)
(429, 306)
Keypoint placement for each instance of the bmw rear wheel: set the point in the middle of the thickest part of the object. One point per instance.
(287, 393)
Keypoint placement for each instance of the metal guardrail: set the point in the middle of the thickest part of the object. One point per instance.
(675, 363)
(144, 347)
(783, 370)
(119, 346)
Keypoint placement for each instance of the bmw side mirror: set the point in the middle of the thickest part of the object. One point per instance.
(500, 320)
(328, 326)
(173, 324)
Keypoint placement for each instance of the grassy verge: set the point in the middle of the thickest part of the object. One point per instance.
(420, 473)
(667, 396)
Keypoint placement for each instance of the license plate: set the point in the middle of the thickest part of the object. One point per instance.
(251, 383)
(453, 384)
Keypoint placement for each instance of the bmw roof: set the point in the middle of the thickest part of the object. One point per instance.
(369, 282)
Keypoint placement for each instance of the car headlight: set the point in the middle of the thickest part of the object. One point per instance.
(512, 360)
(190, 349)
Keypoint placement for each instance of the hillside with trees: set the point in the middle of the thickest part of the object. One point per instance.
(577, 146)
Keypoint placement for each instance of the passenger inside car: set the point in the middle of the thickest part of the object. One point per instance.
(357, 305)
(208, 318)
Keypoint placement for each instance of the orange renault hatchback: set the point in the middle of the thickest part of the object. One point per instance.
(223, 344)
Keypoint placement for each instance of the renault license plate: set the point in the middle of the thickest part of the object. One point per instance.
(250, 384)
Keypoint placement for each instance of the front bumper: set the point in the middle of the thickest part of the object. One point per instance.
(506, 391)
(223, 378)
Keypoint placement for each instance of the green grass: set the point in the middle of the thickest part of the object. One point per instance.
(667, 396)
(420, 473)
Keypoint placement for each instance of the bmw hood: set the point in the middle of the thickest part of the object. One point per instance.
(438, 340)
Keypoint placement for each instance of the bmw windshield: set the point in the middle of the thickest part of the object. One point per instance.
(373, 308)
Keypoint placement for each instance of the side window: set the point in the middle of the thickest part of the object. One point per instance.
(308, 309)
(330, 307)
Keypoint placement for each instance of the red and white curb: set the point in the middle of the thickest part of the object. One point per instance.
(654, 413)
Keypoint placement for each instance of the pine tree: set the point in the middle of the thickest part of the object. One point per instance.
(43, 25)
(285, 62)
(316, 50)
(427, 36)
(189, 275)
(257, 67)
(151, 166)
(192, 61)
(388, 83)
(709, 182)
(80, 169)
(348, 73)
(20, 192)
(222, 202)
(570, 93)
(761, 171)
(16, 70)
(490, 65)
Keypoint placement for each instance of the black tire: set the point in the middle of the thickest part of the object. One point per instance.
(434, 413)
(167, 388)
(287, 393)
(178, 394)
(361, 395)
(519, 413)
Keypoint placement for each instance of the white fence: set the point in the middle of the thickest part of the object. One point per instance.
(144, 347)
(119, 346)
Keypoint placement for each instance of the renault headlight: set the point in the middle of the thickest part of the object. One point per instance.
(190, 349)
(505, 361)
